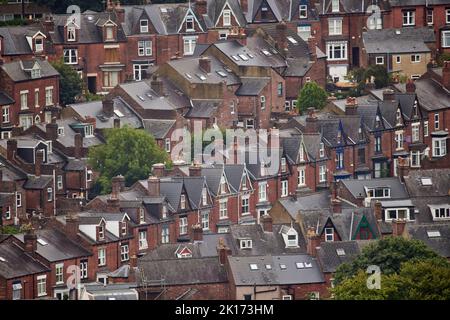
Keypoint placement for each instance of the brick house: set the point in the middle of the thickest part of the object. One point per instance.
(34, 86)
(23, 43)
(22, 9)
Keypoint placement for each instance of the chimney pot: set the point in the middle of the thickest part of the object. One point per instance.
(158, 170)
(30, 240)
(108, 107)
(154, 187)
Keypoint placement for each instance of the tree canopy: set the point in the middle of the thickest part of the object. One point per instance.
(70, 83)
(128, 152)
(311, 96)
(388, 254)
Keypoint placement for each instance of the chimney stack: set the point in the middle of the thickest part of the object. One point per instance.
(49, 23)
(72, 223)
(282, 42)
(30, 240)
(78, 148)
(205, 64)
(158, 170)
(369, 86)
(244, 5)
(410, 86)
(239, 35)
(38, 162)
(223, 252)
(403, 168)
(398, 227)
(11, 149)
(378, 211)
(153, 187)
(311, 121)
(51, 130)
(351, 106)
(446, 75)
(108, 107)
(313, 242)
(388, 95)
(157, 86)
(120, 13)
(267, 223)
(118, 185)
(201, 7)
(312, 45)
(195, 170)
(197, 233)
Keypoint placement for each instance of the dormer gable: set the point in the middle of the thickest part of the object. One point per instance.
(290, 236)
(399, 120)
(37, 42)
(71, 31)
(108, 28)
(330, 232)
(302, 155)
(265, 13)
(32, 67)
(190, 23)
(246, 183)
(100, 230)
(227, 17)
(183, 252)
(124, 225)
(333, 6)
(224, 186)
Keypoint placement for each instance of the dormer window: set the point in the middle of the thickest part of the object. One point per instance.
(377, 120)
(60, 131)
(164, 212)
(329, 234)
(290, 237)
(302, 154)
(141, 216)
(378, 192)
(335, 5)
(144, 26)
(303, 11)
(183, 202)
(226, 18)
(35, 73)
(39, 45)
(399, 117)
(109, 33)
(283, 165)
(71, 34)
(101, 233)
(416, 109)
(89, 131)
(123, 228)
(246, 244)
(321, 150)
(223, 186)
(190, 23)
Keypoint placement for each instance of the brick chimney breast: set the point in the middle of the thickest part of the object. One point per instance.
(78, 145)
(446, 75)
(51, 130)
(205, 64)
(410, 86)
(267, 223)
(153, 188)
(11, 149)
(158, 170)
(30, 241)
(38, 162)
(108, 107)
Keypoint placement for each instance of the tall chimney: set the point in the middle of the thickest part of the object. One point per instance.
(118, 185)
(388, 95)
(38, 162)
(313, 241)
(78, 148)
(120, 13)
(51, 130)
(311, 121)
(11, 149)
(244, 6)
(378, 211)
(446, 75)
(30, 240)
(49, 23)
(205, 64)
(158, 170)
(157, 86)
(153, 187)
(195, 170)
(403, 168)
(197, 233)
(200, 7)
(108, 107)
(351, 106)
(398, 227)
(410, 86)
(312, 45)
(282, 42)
(267, 223)
(72, 223)
(223, 252)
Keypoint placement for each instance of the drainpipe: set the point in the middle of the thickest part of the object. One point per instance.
(54, 192)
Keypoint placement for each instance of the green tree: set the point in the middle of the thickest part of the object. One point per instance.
(427, 279)
(388, 254)
(128, 152)
(379, 73)
(311, 96)
(70, 84)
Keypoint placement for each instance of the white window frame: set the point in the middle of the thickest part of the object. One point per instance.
(24, 100)
(165, 235)
(284, 188)
(337, 45)
(101, 257)
(388, 210)
(445, 43)
(439, 146)
(409, 18)
(322, 173)
(19, 199)
(143, 243)
(245, 205)
(399, 140)
(84, 269)
(416, 58)
(329, 234)
(189, 44)
(145, 48)
(6, 114)
(379, 60)
(48, 96)
(416, 156)
(183, 224)
(335, 26)
(262, 191)
(41, 283)
(301, 179)
(436, 119)
(226, 18)
(71, 55)
(303, 11)
(71, 34)
(415, 130)
(205, 221)
(143, 24)
(124, 252)
(223, 208)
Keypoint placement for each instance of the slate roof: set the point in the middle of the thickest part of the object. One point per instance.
(291, 274)
(183, 271)
(356, 187)
(5, 99)
(401, 3)
(252, 86)
(15, 39)
(329, 258)
(58, 247)
(204, 108)
(37, 183)
(75, 165)
(158, 128)
(15, 70)
(142, 93)
(404, 40)
(18, 263)
(214, 8)
(440, 183)
(94, 109)
(116, 291)
(440, 244)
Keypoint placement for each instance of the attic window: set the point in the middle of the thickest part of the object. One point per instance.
(39, 44)
(71, 34)
(246, 244)
(35, 73)
(144, 26)
(253, 267)
(268, 267)
(222, 74)
(433, 234)
(235, 58)
(340, 252)
(190, 23)
(42, 242)
(300, 265)
(60, 131)
(292, 40)
(2, 259)
(243, 57)
(89, 131)
(283, 267)
(426, 181)
(266, 53)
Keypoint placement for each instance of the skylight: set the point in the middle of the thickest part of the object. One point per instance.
(250, 56)
(283, 267)
(266, 53)
(235, 58)
(164, 10)
(300, 265)
(2, 259)
(141, 98)
(308, 265)
(201, 77)
(292, 40)
(243, 57)
(433, 234)
(118, 113)
(268, 267)
(42, 242)
(426, 181)
(253, 266)
(188, 75)
(222, 74)
(340, 252)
